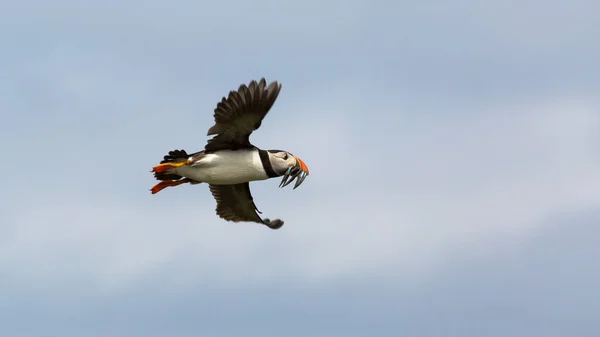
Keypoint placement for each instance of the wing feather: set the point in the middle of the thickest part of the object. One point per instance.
(235, 203)
(238, 115)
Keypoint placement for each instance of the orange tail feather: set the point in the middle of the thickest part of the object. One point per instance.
(160, 168)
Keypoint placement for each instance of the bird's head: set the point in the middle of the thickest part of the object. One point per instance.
(289, 166)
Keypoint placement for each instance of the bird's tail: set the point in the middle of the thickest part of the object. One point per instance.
(174, 157)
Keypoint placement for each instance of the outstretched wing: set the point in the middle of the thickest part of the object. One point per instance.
(238, 115)
(235, 203)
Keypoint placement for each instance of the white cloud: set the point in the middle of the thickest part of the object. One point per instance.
(462, 180)
(263, 21)
(557, 24)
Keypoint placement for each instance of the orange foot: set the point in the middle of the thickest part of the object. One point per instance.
(167, 166)
(167, 183)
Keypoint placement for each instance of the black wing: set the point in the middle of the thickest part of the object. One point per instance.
(238, 115)
(235, 203)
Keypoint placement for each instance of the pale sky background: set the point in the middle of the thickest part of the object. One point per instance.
(454, 149)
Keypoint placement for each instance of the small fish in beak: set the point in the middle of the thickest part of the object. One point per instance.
(298, 170)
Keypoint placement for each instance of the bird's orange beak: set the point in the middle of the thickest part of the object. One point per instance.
(302, 166)
(298, 170)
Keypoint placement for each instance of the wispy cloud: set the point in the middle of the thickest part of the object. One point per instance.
(450, 147)
(370, 206)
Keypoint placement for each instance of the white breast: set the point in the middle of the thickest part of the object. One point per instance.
(226, 167)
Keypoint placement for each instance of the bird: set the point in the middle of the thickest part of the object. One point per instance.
(229, 162)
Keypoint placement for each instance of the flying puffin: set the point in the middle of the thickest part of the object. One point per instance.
(229, 161)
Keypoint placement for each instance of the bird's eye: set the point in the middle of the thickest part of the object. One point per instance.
(285, 156)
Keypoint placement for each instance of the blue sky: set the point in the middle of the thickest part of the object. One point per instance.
(453, 147)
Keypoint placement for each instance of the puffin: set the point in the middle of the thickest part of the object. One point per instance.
(229, 162)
